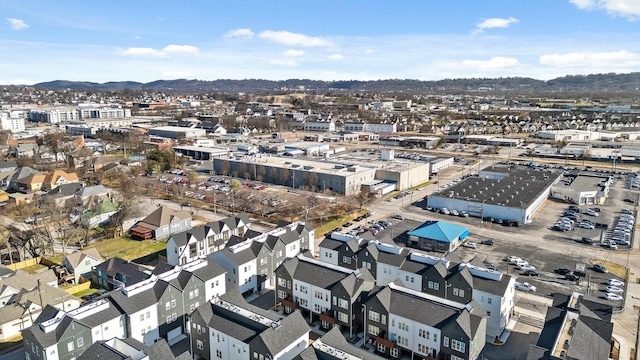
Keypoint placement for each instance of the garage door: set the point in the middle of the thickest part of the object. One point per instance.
(174, 335)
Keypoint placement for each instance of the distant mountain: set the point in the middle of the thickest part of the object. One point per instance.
(573, 83)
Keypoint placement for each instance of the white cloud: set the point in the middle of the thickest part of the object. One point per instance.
(151, 52)
(177, 75)
(294, 39)
(180, 49)
(619, 59)
(495, 63)
(283, 62)
(17, 24)
(239, 33)
(292, 52)
(626, 8)
(140, 51)
(336, 56)
(16, 82)
(493, 23)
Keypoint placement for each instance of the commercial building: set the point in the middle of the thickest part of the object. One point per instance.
(326, 126)
(368, 127)
(12, 121)
(582, 189)
(177, 132)
(438, 236)
(201, 152)
(512, 194)
(575, 135)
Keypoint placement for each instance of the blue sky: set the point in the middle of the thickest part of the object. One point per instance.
(140, 40)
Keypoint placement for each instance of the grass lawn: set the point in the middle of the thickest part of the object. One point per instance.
(614, 268)
(128, 249)
(336, 222)
(85, 292)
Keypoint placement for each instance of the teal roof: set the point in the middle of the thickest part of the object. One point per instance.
(440, 231)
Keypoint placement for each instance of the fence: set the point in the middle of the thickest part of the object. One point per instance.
(84, 285)
(530, 320)
(24, 264)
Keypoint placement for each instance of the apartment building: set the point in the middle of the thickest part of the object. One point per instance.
(323, 291)
(448, 330)
(250, 263)
(371, 128)
(230, 328)
(437, 276)
(12, 121)
(200, 241)
(59, 334)
(333, 346)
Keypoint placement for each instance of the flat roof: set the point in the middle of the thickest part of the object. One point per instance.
(518, 188)
(587, 183)
(176, 129)
(303, 164)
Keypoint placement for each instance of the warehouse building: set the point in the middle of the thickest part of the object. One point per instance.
(498, 192)
(177, 132)
(584, 189)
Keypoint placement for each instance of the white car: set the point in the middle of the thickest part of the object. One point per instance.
(587, 226)
(612, 296)
(614, 289)
(470, 245)
(513, 259)
(525, 286)
(615, 282)
(591, 213)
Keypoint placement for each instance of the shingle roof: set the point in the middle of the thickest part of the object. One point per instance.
(336, 340)
(68, 189)
(92, 191)
(316, 274)
(115, 266)
(292, 328)
(24, 280)
(135, 303)
(439, 231)
(210, 271)
(53, 177)
(77, 257)
(164, 215)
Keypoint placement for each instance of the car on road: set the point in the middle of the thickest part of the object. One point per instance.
(470, 244)
(562, 271)
(588, 241)
(530, 272)
(612, 297)
(571, 277)
(614, 289)
(347, 224)
(615, 282)
(186, 203)
(525, 286)
(629, 201)
(487, 242)
(398, 217)
(600, 268)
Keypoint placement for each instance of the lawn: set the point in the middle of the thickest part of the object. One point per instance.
(85, 292)
(336, 222)
(615, 269)
(128, 249)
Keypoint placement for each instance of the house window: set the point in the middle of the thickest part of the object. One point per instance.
(219, 354)
(282, 294)
(488, 300)
(304, 289)
(344, 304)
(453, 357)
(374, 316)
(402, 341)
(141, 317)
(383, 319)
(80, 342)
(190, 294)
(455, 291)
(148, 314)
(394, 352)
(373, 330)
(318, 294)
(70, 346)
(435, 337)
(457, 345)
(422, 348)
(445, 341)
(488, 313)
(200, 344)
(461, 293)
(381, 348)
(343, 317)
(346, 259)
(173, 304)
(196, 292)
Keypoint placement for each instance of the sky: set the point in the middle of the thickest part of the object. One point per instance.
(142, 40)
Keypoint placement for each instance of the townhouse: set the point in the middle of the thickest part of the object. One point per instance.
(200, 241)
(65, 335)
(445, 329)
(321, 291)
(128, 349)
(230, 328)
(447, 278)
(333, 346)
(250, 262)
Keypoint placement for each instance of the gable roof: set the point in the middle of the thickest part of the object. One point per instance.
(76, 257)
(67, 189)
(53, 177)
(92, 190)
(439, 231)
(164, 215)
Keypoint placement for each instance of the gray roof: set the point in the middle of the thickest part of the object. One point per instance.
(519, 188)
(68, 189)
(92, 190)
(243, 256)
(210, 271)
(110, 350)
(336, 340)
(135, 303)
(315, 274)
(101, 317)
(292, 328)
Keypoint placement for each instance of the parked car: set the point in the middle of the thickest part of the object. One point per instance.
(613, 297)
(571, 277)
(469, 244)
(455, 213)
(463, 213)
(600, 268)
(530, 272)
(562, 271)
(525, 286)
(586, 240)
(586, 226)
(487, 242)
(614, 289)
(629, 201)
(398, 217)
(591, 212)
(615, 282)
(513, 259)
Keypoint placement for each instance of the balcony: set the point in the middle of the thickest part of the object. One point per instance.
(327, 318)
(384, 342)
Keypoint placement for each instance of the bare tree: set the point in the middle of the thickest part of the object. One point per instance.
(225, 167)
